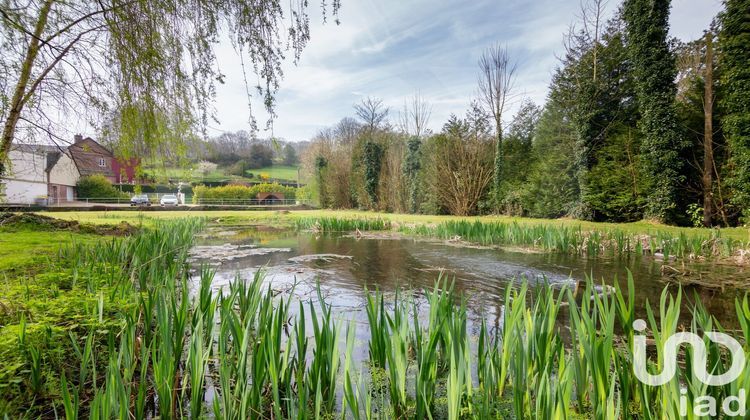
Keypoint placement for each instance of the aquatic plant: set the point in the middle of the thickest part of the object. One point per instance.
(555, 354)
(575, 240)
(335, 224)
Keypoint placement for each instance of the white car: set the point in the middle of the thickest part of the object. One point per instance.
(169, 200)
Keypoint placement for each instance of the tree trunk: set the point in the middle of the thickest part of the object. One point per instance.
(499, 167)
(18, 102)
(708, 148)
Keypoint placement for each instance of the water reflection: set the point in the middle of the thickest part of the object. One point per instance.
(481, 275)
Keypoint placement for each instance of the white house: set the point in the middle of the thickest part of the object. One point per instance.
(38, 173)
(62, 176)
(26, 180)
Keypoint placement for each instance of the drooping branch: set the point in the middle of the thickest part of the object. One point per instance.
(150, 66)
(20, 91)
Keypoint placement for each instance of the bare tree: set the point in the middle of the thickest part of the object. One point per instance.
(347, 130)
(459, 169)
(414, 117)
(496, 79)
(497, 74)
(592, 20)
(372, 112)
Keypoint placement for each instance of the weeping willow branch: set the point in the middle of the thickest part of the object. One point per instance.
(147, 68)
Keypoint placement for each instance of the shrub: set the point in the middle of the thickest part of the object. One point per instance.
(240, 192)
(238, 168)
(97, 186)
(153, 188)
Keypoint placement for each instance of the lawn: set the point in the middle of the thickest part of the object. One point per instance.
(280, 172)
(285, 172)
(274, 217)
(188, 174)
(21, 251)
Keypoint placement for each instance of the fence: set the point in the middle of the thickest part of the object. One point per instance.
(154, 199)
(250, 202)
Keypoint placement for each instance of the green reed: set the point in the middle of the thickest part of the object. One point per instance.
(334, 224)
(268, 356)
(397, 356)
(575, 240)
(376, 315)
(428, 347)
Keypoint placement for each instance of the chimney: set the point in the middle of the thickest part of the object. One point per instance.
(77, 138)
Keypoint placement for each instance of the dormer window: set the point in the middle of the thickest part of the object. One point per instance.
(102, 162)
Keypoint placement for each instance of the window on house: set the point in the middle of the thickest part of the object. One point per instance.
(102, 163)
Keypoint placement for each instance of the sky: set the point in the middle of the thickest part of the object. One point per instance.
(391, 49)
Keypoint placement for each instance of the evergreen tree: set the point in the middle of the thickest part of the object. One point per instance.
(290, 155)
(734, 43)
(551, 189)
(518, 142)
(595, 84)
(654, 71)
(518, 157)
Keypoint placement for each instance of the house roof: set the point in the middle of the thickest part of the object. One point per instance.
(36, 148)
(52, 159)
(87, 153)
(51, 152)
(89, 145)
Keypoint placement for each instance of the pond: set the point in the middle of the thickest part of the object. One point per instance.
(346, 266)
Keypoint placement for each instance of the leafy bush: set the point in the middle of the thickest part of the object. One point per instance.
(238, 168)
(240, 192)
(153, 188)
(97, 186)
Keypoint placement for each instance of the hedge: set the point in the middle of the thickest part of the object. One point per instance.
(97, 187)
(155, 188)
(240, 192)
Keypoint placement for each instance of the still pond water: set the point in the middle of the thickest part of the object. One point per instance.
(346, 266)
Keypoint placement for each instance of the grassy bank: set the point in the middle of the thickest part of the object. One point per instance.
(562, 235)
(738, 233)
(66, 293)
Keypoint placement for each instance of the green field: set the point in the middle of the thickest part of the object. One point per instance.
(186, 173)
(284, 172)
(277, 172)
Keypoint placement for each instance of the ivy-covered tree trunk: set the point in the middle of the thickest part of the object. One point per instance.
(320, 166)
(412, 166)
(373, 154)
(654, 71)
(497, 174)
(708, 133)
(734, 42)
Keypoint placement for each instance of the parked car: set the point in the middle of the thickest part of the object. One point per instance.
(169, 200)
(140, 200)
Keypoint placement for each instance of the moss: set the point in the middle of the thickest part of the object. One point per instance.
(51, 317)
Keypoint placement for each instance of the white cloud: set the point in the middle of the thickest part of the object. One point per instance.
(391, 48)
